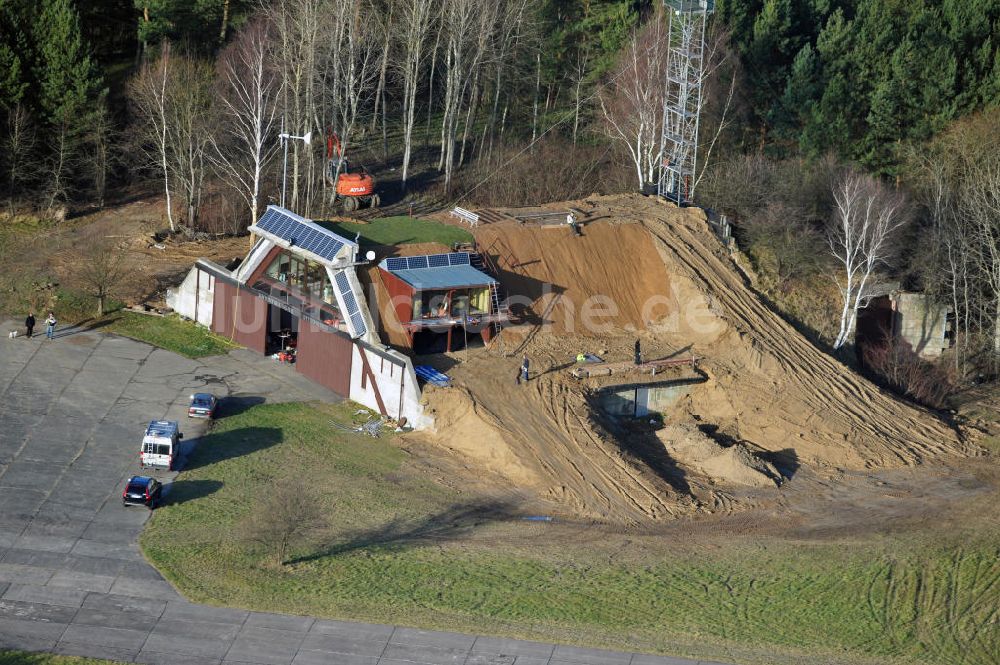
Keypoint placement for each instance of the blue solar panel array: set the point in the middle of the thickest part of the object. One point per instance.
(429, 261)
(350, 303)
(301, 233)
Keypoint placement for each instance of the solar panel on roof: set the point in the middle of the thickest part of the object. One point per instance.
(301, 233)
(396, 263)
(437, 260)
(459, 259)
(416, 262)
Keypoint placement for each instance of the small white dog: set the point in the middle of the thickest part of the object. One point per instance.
(12, 334)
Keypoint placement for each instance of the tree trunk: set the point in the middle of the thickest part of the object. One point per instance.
(538, 85)
(225, 22)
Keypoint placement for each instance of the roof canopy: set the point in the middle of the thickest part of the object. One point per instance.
(302, 236)
(436, 271)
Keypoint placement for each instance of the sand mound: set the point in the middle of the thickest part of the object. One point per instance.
(543, 437)
(670, 279)
(735, 465)
(577, 285)
(646, 269)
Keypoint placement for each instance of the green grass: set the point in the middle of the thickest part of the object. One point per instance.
(26, 658)
(168, 332)
(400, 230)
(400, 549)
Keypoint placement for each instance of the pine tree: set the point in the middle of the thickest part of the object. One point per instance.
(68, 83)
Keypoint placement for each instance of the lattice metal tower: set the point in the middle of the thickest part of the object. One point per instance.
(682, 104)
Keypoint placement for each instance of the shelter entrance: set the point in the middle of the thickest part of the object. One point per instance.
(282, 330)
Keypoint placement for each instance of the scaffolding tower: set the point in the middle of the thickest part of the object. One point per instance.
(682, 102)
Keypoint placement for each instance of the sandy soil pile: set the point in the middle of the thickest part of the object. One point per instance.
(735, 465)
(672, 286)
(543, 436)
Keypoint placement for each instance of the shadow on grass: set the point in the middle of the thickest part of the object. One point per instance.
(218, 447)
(181, 491)
(234, 405)
(450, 524)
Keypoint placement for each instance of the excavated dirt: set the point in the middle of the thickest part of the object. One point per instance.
(771, 403)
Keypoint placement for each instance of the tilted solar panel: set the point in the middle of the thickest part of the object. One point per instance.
(350, 303)
(437, 261)
(459, 259)
(416, 262)
(359, 323)
(301, 233)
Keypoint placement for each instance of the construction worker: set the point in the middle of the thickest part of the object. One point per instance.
(571, 222)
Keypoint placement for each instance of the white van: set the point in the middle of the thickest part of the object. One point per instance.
(160, 444)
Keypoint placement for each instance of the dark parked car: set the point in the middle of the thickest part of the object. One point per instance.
(142, 491)
(202, 405)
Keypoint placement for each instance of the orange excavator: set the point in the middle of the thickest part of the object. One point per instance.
(354, 188)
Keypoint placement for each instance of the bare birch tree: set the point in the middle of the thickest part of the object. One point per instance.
(632, 104)
(297, 25)
(148, 94)
(189, 122)
(866, 217)
(416, 20)
(249, 115)
(352, 64)
(469, 26)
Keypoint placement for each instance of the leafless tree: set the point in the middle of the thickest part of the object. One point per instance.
(957, 177)
(469, 26)
(632, 104)
(101, 148)
(149, 96)
(415, 22)
(298, 30)
(102, 265)
(352, 64)
(173, 106)
(18, 145)
(866, 217)
(288, 513)
(190, 128)
(249, 115)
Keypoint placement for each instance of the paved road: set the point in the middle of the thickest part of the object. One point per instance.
(72, 579)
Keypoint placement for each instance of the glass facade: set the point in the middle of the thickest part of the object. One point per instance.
(303, 285)
(455, 303)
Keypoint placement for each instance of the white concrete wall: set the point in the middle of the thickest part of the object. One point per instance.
(397, 386)
(194, 297)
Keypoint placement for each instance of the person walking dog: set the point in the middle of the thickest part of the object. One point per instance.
(50, 325)
(29, 324)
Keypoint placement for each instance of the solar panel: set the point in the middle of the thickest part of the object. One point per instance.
(416, 262)
(459, 259)
(396, 263)
(437, 261)
(359, 323)
(300, 232)
(350, 303)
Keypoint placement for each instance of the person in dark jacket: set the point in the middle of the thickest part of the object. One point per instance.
(638, 352)
(29, 324)
(524, 369)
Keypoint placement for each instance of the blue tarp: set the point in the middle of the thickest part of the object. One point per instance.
(432, 376)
